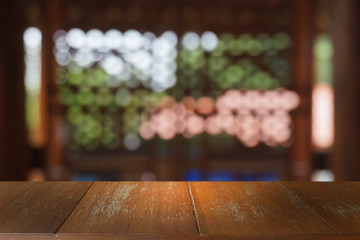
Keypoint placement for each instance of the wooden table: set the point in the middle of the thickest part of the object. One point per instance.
(179, 210)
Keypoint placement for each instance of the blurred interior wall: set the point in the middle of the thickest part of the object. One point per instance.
(346, 155)
(14, 152)
(13, 142)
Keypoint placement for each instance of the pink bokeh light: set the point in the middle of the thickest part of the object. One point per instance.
(253, 116)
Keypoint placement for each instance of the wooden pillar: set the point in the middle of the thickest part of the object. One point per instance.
(346, 36)
(303, 36)
(14, 150)
(52, 21)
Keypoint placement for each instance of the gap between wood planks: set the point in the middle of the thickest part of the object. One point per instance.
(194, 209)
(57, 230)
(311, 210)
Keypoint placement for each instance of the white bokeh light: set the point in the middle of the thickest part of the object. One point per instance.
(322, 175)
(32, 38)
(191, 41)
(148, 38)
(32, 44)
(59, 33)
(76, 38)
(141, 59)
(84, 57)
(132, 39)
(113, 39)
(61, 44)
(161, 47)
(130, 57)
(112, 64)
(94, 39)
(171, 37)
(209, 41)
(63, 58)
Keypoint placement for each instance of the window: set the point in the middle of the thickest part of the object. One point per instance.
(120, 89)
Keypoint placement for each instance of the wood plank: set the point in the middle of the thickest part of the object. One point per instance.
(11, 190)
(202, 237)
(337, 203)
(162, 237)
(244, 209)
(28, 236)
(38, 207)
(133, 208)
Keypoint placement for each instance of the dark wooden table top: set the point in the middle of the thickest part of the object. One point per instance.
(179, 210)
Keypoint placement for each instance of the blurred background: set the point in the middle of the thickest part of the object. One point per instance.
(250, 90)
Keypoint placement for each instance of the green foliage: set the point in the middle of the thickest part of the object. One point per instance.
(100, 108)
(246, 61)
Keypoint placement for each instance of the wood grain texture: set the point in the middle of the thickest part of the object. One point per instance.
(179, 210)
(162, 208)
(337, 203)
(11, 190)
(202, 237)
(244, 209)
(37, 207)
(167, 237)
(27, 236)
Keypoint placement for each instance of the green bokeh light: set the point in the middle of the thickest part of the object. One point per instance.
(101, 108)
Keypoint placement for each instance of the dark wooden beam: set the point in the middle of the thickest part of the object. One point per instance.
(14, 151)
(303, 36)
(346, 35)
(53, 12)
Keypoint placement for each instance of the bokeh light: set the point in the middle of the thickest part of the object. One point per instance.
(209, 41)
(94, 39)
(112, 64)
(191, 41)
(104, 72)
(113, 39)
(132, 39)
(205, 105)
(132, 141)
(322, 116)
(242, 118)
(195, 124)
(32, 46)
(76, 38)
(213, 125)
